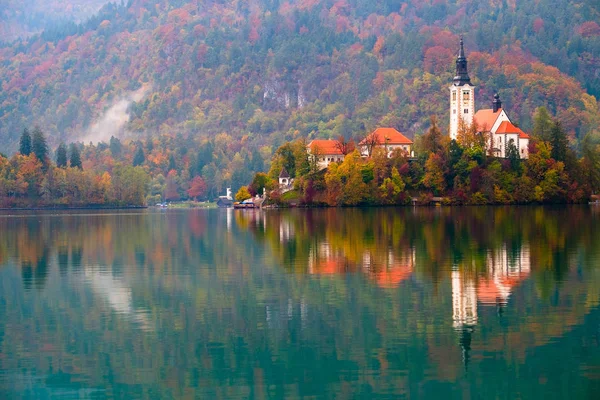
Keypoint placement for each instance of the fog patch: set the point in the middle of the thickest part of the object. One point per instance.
(114, 120)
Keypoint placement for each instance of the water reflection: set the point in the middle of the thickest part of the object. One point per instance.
(301, 303)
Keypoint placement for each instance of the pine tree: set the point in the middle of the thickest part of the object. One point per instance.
(25, 143)
(39, 146)
(138, 157)
(75, 157)
(61, 156)
(115, 146)
(559, 141)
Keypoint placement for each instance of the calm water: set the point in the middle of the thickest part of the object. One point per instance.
(498, 303)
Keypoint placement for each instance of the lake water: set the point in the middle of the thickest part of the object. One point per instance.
(433, 303)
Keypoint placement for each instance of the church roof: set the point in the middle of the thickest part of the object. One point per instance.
(388, 136)
(485, 119)
(284, 173)
(325, 147)
(507, 127)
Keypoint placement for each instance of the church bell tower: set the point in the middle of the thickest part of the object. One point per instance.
(462, 95)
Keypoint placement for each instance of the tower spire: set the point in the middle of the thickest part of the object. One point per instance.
(462, 73)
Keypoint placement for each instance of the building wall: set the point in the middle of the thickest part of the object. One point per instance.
(462, 106)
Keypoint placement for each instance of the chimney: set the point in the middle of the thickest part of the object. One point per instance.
(496, 104)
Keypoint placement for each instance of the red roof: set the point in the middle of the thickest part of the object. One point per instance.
(508, 128)
(485, 119)
(325, 147)
(389, 136)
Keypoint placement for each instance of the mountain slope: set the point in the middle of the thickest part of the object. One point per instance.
(265, 71)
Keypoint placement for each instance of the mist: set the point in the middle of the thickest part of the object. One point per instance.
(114, 120)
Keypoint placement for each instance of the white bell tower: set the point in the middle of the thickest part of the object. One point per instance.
(462, 95)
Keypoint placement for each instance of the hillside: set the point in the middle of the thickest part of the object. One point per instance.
(262, 72)
(22, 18)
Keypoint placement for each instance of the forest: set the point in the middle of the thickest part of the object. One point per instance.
(211, 89)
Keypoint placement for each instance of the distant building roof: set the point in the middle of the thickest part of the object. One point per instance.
(325, 147)
(388, 136)
(485, 119)
(284, 173)
(507, 128)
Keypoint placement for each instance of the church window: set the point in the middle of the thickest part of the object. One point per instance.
(453, 111)
(466, 95)
(466, 110)
(453, 96)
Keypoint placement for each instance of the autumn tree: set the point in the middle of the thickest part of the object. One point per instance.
(61, 156)
(542, 124)
(197, 188)
(242, 194)
(433, 140)
(25, 143)
(345, 146)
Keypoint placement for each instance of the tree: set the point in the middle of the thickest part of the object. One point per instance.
(370, 142)
(434, 174)
(61, 156)
(512, 153)
(25, 143)
(139, 157)
(115, 146)
(39, 147)
(542, 124)
(559, 141)
(197, 188)
(433, 141)
(74, 157)
(344, 146)
(242, 194)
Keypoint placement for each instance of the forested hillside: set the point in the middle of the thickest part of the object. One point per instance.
(21, 18)
(245, 76)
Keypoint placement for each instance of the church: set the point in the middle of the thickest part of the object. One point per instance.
(494, 122)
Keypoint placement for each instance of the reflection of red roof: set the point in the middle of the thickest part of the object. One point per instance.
(389, 136)
(325, 147)
(507, 128)
(485, 119)
(488, 292)
(392, 278)
(329, 267)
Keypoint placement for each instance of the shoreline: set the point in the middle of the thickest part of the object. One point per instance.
(68, 208)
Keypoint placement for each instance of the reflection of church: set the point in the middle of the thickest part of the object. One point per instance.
(504, 271)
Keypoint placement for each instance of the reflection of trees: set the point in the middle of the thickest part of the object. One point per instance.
(227, 316)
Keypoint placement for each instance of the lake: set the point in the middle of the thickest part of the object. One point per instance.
(483, 302)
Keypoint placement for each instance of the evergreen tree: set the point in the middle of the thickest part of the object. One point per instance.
(25, 143)
(75, 157)
(512, 153)
(138, 157)
(559, 141)
(61, 156)
(115, 146)
(542, 124)
(39, 146)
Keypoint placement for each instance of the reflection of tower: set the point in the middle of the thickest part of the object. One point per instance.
(464, 301)
(286, 230)
(229, 216)
(465, 344)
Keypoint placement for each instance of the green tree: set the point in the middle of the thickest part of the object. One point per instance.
(39, 146)
(139, 157)
(115, 146)
(74, 156)
(433, 140)
(25, 143)
(61, 156)
(542, 124)
(559, 141)
(512, 153)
